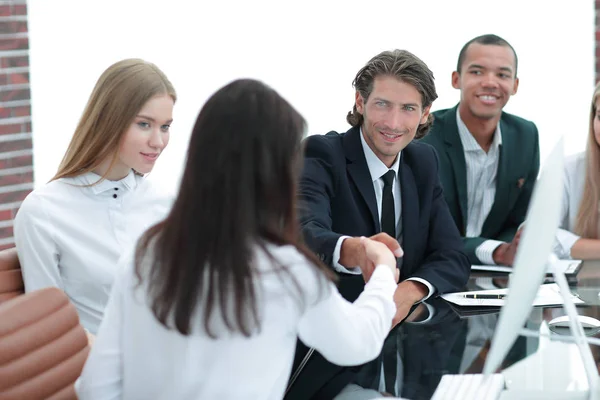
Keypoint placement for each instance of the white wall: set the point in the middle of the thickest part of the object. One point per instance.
(308, 50)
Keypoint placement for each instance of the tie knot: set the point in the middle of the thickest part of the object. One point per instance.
(388, 177)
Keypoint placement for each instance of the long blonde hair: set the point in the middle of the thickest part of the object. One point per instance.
(120, 93)
(586, 224)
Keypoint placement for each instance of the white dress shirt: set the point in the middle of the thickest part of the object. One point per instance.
(71, 236)
(482, 170)
(377, 169)
(573, 184)
(135, 357)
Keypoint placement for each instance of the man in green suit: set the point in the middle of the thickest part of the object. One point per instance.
(489, 158)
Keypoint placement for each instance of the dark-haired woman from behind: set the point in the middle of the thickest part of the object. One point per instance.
(211, 301)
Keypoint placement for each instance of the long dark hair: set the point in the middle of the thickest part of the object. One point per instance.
(237, 192)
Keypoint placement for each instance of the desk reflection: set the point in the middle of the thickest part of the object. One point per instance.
(435, 340)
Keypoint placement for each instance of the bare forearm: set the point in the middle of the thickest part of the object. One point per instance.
(586, 249)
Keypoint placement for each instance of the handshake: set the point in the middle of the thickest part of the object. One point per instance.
(367, 253)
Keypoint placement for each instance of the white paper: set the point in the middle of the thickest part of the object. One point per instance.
(547, 295)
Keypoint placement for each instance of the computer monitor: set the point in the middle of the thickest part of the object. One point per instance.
(529, 268)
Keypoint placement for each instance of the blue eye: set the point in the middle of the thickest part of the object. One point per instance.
(165, 128)
(143, 125)
(409, 108)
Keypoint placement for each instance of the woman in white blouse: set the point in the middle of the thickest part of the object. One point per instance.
(579, 236)
(71, 232)
(211, 302)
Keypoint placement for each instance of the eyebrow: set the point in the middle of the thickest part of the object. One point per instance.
(477, 66)
(404, 104)
(380, 99)
(152, 119)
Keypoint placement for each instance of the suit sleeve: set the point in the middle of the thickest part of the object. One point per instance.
(445, 265)
(519, 211)
(316, 191)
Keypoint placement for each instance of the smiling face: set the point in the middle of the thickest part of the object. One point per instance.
(392, 114)
(148, 135)
(486, 81)
(145, 139)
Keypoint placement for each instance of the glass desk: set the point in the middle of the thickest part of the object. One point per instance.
(436, 340)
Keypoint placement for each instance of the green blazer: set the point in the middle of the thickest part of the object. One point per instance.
(518, 169)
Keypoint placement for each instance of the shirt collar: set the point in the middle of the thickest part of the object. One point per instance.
(468, 141)
(376, 167)
(91, 179)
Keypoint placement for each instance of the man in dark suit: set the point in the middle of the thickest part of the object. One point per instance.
(374, 181)
(489, 159)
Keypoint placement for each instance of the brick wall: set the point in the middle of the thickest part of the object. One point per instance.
(16, 156)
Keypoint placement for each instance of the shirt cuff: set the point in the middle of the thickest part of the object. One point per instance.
(563, 243)
(336, 259)
(429, 287)
(485, 251)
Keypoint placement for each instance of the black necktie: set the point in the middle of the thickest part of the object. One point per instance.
(388, 215)
(388, 225)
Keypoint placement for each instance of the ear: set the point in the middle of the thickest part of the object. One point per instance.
(516, 86)
(359, 102)
(425, 115)
(456, 80)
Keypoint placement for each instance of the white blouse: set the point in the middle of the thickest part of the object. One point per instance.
(573, 183)
(135, 357)
(71, 236)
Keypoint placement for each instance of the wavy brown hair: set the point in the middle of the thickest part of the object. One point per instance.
(237, 194)
(586, 223)
(404, 66)
(119, 94)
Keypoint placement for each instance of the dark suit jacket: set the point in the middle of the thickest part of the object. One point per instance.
(518, 169)
(337, 198)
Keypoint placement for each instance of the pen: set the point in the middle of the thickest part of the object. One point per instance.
(484, 296)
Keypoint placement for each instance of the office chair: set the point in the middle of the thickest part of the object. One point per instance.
(42, 346)
(11, 281)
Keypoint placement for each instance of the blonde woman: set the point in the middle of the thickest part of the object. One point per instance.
(70, 232)
(579, 237)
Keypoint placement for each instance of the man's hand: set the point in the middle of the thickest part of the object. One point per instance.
(353, 254)
(505, 253)
(377, 253)
(406, 295)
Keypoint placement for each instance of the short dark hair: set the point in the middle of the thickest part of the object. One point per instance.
(237, 195)
(488, 39)
(403, 66)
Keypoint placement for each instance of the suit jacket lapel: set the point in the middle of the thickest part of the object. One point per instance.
(456, 154)
(359, 172)
(410, 211)
(496, 216)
